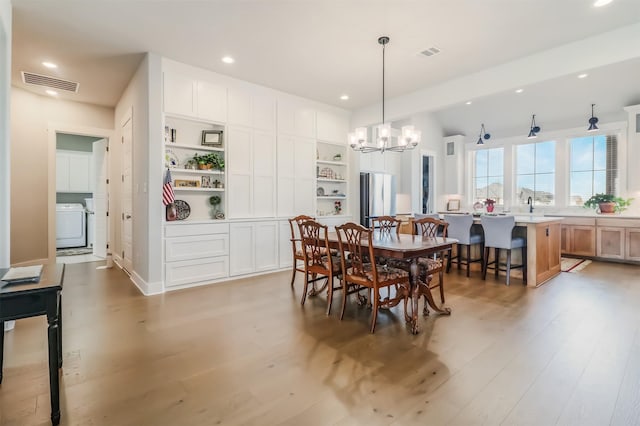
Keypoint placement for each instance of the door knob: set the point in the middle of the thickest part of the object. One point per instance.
(128, 216)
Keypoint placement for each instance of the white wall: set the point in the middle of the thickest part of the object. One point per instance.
(431, 144)
(5, 141)
(143, 97)
(33, 165)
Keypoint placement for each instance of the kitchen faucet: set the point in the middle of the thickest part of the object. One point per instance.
(530, 202)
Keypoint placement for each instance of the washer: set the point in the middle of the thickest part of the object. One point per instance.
(70, 226)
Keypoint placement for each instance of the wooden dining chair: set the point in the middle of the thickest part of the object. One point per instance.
(294, 224)
(386, 224)
(319, 263)
(431, 227)
(358, 274)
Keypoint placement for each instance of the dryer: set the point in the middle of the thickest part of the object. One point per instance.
(70, 226)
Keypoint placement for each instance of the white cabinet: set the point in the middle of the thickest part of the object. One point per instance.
(285, 248)
(453, 163)
(196, 253)
(252, 109)
(73, 171)
(296, 118)
(332, 127)
(296, 176)
(253, 247)
(251, 168)
(211, 101)
(194, 98)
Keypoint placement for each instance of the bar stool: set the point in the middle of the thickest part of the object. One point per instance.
(498, 234)
(461, 228)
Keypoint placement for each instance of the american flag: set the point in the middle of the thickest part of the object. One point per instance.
(167, 190)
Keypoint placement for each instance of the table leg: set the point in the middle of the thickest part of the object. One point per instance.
(1, 347)
(54, 379)
(426, 291)
(415, 294)
(60, 331)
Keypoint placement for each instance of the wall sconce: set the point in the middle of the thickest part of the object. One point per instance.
(593, 121)
(533, 133)
(482, 135)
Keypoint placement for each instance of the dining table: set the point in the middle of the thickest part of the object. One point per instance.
(408, 248)
(29, 299)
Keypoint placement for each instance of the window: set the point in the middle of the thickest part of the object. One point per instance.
(535, 173)
(593, 167)
(488, 178)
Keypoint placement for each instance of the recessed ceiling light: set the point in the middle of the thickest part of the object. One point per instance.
(469, 102)
(52, 92)
(600, 3)
(49, 64)
(344, 97)
(519, 90)
(582, 75)
(228, 59)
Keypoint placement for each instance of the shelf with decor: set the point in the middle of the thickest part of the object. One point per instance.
(195, 154)
(332, 174)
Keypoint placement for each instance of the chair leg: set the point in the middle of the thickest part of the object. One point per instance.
(293, 275)
(345, 289)
(485, 263)
(441, 276)
(482, 258)
(524, 265)
(304, 290)
(329, 294)
(449, 260)
(497, 262)
(458, 255)
(508, 265)
(468, 259)
(374, 314)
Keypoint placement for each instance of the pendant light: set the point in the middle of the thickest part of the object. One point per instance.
(482, 135)
(533, 133)
(407, 137)
(593, 121)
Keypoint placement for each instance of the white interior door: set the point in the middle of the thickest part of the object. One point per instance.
(100, 198)
(126, 200)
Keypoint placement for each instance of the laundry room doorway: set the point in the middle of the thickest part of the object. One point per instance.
(79, 199)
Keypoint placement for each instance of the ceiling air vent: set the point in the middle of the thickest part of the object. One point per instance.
(430, 51)
(54, 83)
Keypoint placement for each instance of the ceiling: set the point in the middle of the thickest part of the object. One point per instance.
(318, 49)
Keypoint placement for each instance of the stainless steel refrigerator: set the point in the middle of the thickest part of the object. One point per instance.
(377, 196)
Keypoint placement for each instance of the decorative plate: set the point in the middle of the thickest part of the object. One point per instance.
(171, 159)
(320, 191)
(183, 209)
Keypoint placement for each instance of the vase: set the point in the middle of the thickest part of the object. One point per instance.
(489, 208)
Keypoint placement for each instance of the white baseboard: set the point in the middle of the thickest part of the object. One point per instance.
(148, 289)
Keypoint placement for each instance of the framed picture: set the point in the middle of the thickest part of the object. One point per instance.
(212, 138)
(453, 205)
(182, 183)
(207, 182)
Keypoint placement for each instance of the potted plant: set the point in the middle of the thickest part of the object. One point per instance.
(489, 203)
(209, 161)
(608, 203)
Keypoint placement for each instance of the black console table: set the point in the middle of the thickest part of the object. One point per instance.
(24, 300)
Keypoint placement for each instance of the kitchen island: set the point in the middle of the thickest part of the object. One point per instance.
(543, 247)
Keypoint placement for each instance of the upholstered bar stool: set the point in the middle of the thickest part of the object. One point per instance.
(498, 234)
(461, 228)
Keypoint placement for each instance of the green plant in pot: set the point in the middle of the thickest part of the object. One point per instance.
(608, 203)
(211, 160)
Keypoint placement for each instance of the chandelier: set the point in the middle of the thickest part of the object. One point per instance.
(388, 138)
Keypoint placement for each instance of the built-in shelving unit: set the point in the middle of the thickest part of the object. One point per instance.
(183, 138)
(331, 179)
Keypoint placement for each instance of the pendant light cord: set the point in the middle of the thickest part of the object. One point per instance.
(383, 48)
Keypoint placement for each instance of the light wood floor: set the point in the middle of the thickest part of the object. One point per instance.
(246, 353)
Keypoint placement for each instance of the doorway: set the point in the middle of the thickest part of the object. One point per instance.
(428, 186)
(81, 197)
